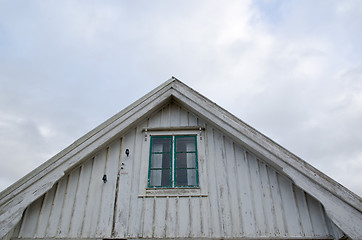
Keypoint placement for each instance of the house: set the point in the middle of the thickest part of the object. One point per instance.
(175, 165)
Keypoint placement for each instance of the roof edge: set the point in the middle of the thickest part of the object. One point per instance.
(260, 138)
(25, 179)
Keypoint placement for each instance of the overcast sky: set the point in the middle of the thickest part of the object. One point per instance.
(290, 69)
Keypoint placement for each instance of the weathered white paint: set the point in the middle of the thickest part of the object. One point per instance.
(342, 206)
(245, 197)
(17, 197)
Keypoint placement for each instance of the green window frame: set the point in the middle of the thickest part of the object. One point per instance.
(173, 162)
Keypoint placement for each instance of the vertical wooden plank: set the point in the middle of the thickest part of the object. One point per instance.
(136, 204)
(200, 122)
(256, 195)
(222, 186)
(248, 213)
(317, 218)
(144, 151)
(184, 117)
(174, 115)
(183, 215)
(323, 219)
(99, 186)
(232, 187)
(148, 219)
(69, 200)
(215, 230)
(160, 218)
(30, 220)
(81, 199)
(155, 119)
(279, 217)
(171, 218)
(201, 157)
(333, 229)
(205, 223)
(124, 185)
(195, 218)
(135, 226)
(142, 176)
(94, 195)
(240, 185)
(267, 200)
(105, 219)
(53, 224)
(192, 119)
(45, 213)
(306, 224)
(165, 117)
(291, 212)
(205, 218)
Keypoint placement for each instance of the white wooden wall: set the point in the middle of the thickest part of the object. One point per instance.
(244, 198)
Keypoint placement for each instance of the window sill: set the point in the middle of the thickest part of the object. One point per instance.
(173, 192)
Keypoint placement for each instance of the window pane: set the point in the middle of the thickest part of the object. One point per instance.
(186, 177)
(185, 144)
(160, 178)
(173, 155)
(185, 160)
(161, 160)
(191, 177)
(161, 144)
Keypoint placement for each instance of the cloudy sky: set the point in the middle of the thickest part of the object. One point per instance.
(291, 69)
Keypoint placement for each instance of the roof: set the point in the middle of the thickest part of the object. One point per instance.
(342, 206)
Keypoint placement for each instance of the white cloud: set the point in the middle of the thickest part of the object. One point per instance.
(290, 69)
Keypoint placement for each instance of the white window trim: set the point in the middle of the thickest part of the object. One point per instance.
(200, 191)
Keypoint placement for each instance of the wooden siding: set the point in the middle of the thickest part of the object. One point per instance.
(240, 195)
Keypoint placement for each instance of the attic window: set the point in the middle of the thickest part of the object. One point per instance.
(173, 162)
